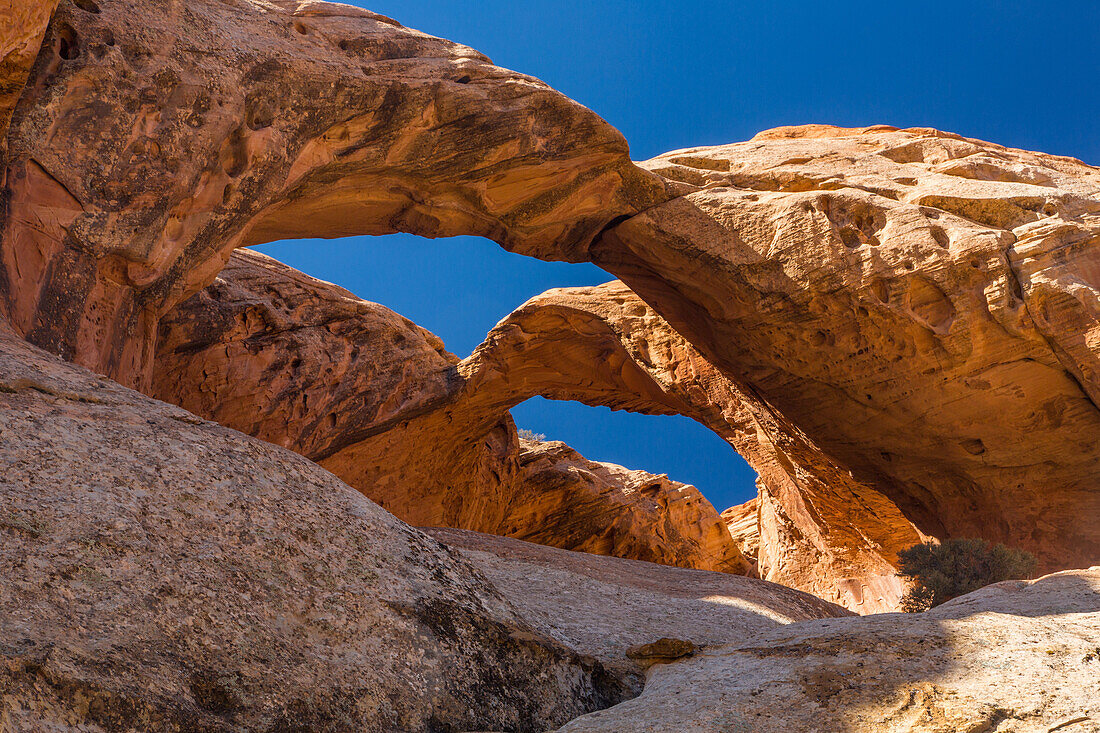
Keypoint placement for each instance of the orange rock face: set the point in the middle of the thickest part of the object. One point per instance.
(923, 307)
(22, 27)
(378, 401)
(150, 143)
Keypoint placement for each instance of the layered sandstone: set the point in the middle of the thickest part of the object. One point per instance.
(160, 572)
(150, 143)
(922, 306)
(376, 399)
(1014, 656)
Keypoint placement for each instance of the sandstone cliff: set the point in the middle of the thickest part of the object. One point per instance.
(922, 306)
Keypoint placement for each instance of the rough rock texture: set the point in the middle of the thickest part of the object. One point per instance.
(150, 142)
(1015, 656)
(159, 572)
(605, 606)
(925, 308)
(562, 499)
(22, 26)
(304, 364)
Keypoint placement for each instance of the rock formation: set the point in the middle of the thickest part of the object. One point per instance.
(149, 143)
(881, 291)
(922, 306)
(162, 572)
(159, 572)
(21, 30)
(1013, 656)
(304, 364)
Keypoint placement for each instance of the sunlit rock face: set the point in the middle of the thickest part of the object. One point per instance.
(923, 307)
(377, 400)
(1013, 656)
(21, 30)
(150, 142)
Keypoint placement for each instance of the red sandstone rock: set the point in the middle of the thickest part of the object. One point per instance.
(150, 143)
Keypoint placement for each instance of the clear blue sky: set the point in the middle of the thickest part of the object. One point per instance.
(677, 74)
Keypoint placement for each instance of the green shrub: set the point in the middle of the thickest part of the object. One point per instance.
(940, 572)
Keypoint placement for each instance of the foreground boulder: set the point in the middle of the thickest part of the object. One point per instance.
(1016, 656)
(377, 400)
(159, 572)
(150, 143)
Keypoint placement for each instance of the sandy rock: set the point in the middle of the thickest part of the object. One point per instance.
(1016, 656)
(923, 307)
(160, 572)
(152, 142)
(304, 364)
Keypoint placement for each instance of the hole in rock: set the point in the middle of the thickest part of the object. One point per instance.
(459, 288)
(88, 5)
(68, 45)
(672, 444)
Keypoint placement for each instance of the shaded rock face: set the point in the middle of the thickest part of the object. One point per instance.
(1013, 656)
(923, 307)
(149, 143)
(159, 572)
(377, 400)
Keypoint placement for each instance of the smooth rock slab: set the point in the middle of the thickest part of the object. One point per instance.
(1016, 656)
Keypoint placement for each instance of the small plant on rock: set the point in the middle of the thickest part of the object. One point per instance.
(940, 572)
(526, 434)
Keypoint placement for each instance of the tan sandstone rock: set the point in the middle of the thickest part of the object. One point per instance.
(160, 572)
(306, 365)
(1015, 656)
(152, 142)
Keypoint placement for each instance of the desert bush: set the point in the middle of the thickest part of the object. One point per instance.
(526, 434)
(940, 572)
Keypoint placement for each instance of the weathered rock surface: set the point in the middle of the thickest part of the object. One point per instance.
(923, 307)
(1016, 656)
(22, 26)
(304, 364)
(605, 606)
(150, 142)
(159, 572)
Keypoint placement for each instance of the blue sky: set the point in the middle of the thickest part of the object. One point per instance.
(677, 74)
